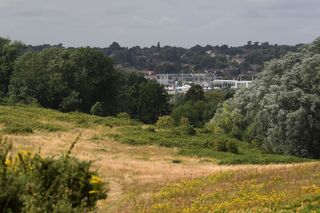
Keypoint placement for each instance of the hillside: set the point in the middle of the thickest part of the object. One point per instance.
(150, 170)
(225, 61)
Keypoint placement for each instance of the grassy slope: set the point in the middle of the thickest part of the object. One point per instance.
(285, 189)
(200, 145)
(25, 119)
(30, 119)
(159, 184)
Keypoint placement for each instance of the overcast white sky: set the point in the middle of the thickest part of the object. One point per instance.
(172, 22)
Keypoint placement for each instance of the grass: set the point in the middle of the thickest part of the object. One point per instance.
(159, 170)
(203, 144)
(288, 189)
(26, 119)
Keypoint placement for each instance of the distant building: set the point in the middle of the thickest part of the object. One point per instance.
(181, 82)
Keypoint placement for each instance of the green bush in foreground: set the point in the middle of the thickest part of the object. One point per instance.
(32, 183)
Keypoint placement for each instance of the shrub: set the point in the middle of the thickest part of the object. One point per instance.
(176, 161)
(165, 122)
(191, 130)
(208, 144)
(222, 146)
(123, 115)
(71, 103)
(232, 147)
(176, 131)
(184, 122)
(227, 145)
(31, 183)
(97, 109)
(205, 130)
(150, 129)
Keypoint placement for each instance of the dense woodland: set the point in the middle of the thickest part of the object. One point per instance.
(279, 113)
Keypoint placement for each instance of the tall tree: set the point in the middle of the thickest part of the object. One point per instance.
(9, 51)
(281, 110)
(65, 79)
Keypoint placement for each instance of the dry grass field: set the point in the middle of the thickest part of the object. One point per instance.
(150, 178)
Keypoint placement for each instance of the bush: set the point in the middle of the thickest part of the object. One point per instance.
(97, 109)
(176, 131)
(165, 122)
(232, 147)
(31, 183)
(184, 122)
(150, 129)
(123, 115)
(71, 103)
(222, 146)
(227, 145)
(191, 130)
(176, 161)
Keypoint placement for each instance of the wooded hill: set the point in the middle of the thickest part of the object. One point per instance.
(224, 60)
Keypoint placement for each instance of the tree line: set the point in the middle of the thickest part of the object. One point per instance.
(76, 79)
(279, 112)
(226, 60)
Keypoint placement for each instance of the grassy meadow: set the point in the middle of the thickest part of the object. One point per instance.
(166, 170)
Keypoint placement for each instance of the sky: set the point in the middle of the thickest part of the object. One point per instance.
(171, 22)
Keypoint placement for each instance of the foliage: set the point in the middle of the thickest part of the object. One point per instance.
(9, 52)
(195, 93)
(165, 122)
(281, 110)
(227, 145)
(75, 79)
(66, 79)
(70, 103)
(97, 109)
(184, 122)
(198, 112)
(32, 183)
(145, 101)
(123, 115)
(150, 129)
(222, 146)
(203, 144)
(191, 130)
(228, 120)
(168, 59)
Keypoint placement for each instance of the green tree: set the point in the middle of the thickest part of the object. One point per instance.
(195, 93)
(152, 102)
(66, 79)
(281, 110)
(9, 51)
